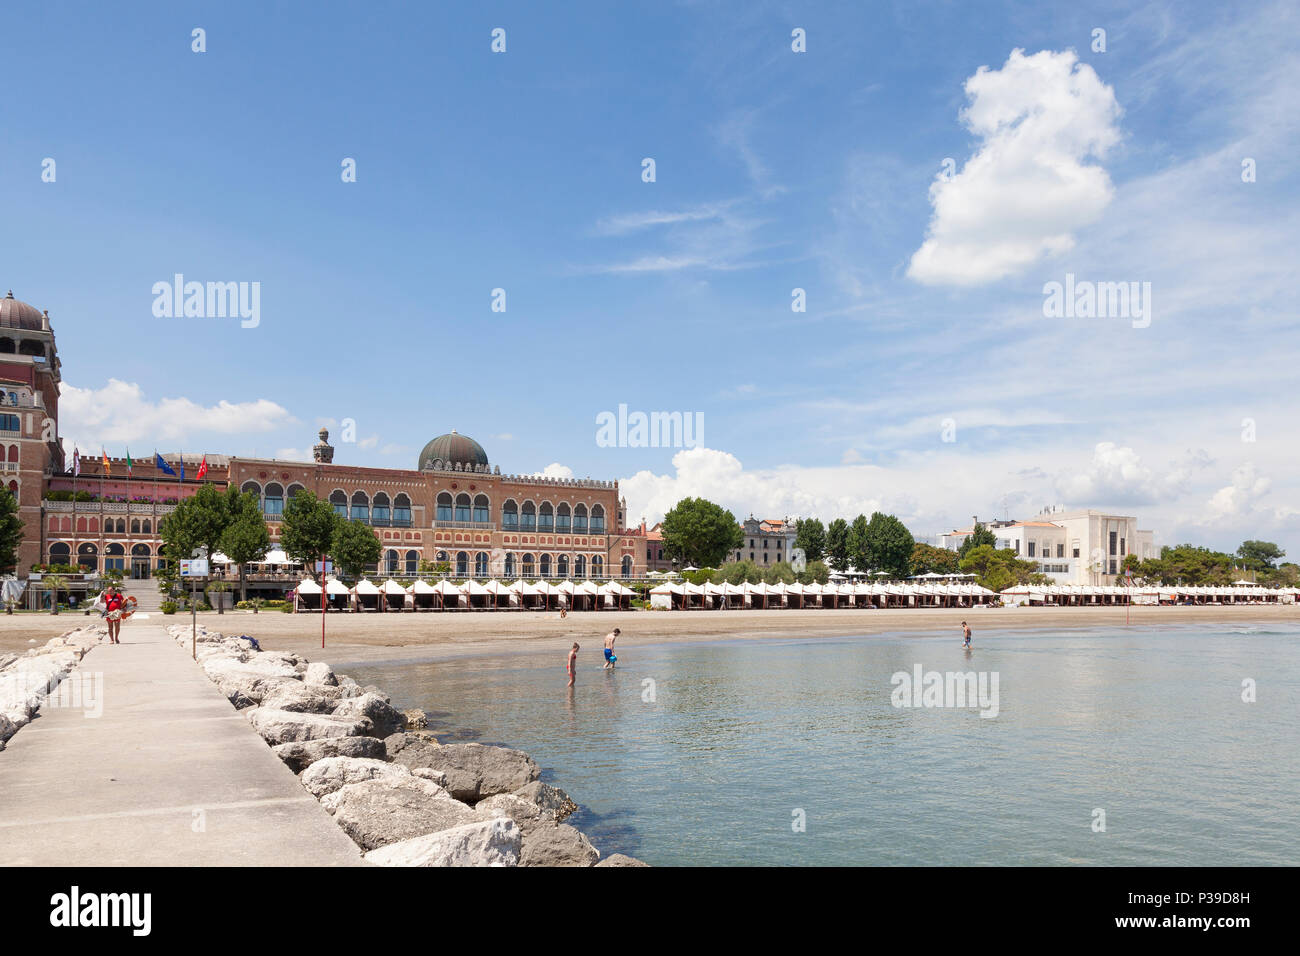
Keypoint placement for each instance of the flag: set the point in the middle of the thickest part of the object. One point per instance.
(203, 468)
(182, 466)
(129, 462)
(165, 468)
(108, 469)
(76, 462)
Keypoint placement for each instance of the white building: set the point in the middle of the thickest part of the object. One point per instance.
(1071, 547)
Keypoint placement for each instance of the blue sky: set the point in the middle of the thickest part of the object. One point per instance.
(775, 170)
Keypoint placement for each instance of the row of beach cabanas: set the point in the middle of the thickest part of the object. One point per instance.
(1067, 595)
(685, 596)
(491, 595)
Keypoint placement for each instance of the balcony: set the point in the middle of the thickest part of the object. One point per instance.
(465, 525)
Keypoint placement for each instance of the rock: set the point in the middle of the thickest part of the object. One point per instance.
(6, 660)
(320, 673)
(487, 843)
(386, 720)
(300, 755)
(302, 698)
(473, 770)
(332, 773)
(375, 813)
(548, 798)
(283, 726)
(427, 773)
(378, 692)
(619, 859)
(561, 845)
(415, 719)
(526, 814)
(411, 749)
(252, 679)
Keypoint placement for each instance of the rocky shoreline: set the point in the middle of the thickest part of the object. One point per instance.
(27, 680)
(403, 798)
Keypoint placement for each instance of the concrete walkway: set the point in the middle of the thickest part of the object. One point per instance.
(170, 774)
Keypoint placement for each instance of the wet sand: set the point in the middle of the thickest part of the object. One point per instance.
(433, 636)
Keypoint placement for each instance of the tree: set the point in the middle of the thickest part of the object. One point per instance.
(978, 537)
(738, 572)
(810, 535)
(11, 530)
(354, 547)
(998, 569)
(889, 544)
(837, 544)
(246, 538)
(54, 583)
(1259, 555)
(198, 522)
(697, 531)
(307, 528)
(859, 556)
(779, 573)
(816, 572)
(927, 559)
(217, 587)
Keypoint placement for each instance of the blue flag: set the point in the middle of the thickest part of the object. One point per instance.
(165, 468)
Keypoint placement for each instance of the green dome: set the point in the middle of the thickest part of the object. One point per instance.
(453, 449)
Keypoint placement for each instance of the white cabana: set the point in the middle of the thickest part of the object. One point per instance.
(366, 596)
(395, 596)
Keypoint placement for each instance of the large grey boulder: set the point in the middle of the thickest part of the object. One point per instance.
(302, 698)
(428, 773)
(487, 843)
(547, 797)
(300, 755)
(332, 773)
(250, 680)
(562, 845)
(384, 718)
(411, 749)
(475, 771)
(619, 859)
(320, 673)
(378, 812)
(283, 726)
(526, 815)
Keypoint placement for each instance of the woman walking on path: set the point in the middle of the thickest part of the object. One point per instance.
(114, 603)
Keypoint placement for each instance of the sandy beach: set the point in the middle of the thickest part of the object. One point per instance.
(431, 636)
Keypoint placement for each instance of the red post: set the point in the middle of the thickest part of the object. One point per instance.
(323, 596)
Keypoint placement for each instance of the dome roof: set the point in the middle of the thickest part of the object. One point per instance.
(452, 449)
(15, 314)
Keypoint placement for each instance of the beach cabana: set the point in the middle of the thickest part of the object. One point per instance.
(502, 596)
(365, 596)
(615, 596)
(735, 596)
(395, 597)
(337, 595)
(667, 597)
(586, 596)
(424, 596)
(307, 596)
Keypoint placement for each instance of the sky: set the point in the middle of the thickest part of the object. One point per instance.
(922, 172)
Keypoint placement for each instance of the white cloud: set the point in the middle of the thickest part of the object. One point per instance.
(1027, 189)
(293, 454)
(555, 470)
(370, 442)
(120, 413)
(1239, 499)
(1117, 476)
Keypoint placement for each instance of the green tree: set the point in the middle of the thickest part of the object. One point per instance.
(697, 531)
(307, 528)
(837, 544)
(978, 537)
(859, 555)
(927, 559)
(198, 522)
(11, 530)
(999, 569)
(1259, 555)
(816, 572)
(54, 583)
(889, 544)
(355, 547)
(810, 534)
(246, 538)
(779, 573)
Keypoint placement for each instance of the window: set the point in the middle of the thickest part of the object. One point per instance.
(509, 516)
(462, 563)
(527, 565)
(597, 520)
(1060, 549)
(481, 510)
(380, 513)
(597, 566)
(339, 502)
(402, 511)
(1121, 547)
(1113, 539)
(562, 519)
(10, 423)
(627, 565)
(114, 557)
(562, 565)
(480, 565)
(462, 508)
(273, 504)
(1030, 546)
(529, 516)
(580, 566)
(412, 562)
(546, 566)
(444, 507)
(1017, 544)
(510, 565)
(546, 517)
(360, 506)
(1076, 551)
(580, 519)
(390, 562)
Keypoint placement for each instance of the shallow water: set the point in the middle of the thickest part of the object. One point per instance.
(739, 738)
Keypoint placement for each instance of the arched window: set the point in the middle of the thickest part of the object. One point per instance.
(252, 488)
(273, 503)
(597, 519)
(7, 346)
(546, 517)
(580, 519)
(13, 453)
(562, 518)
(580, 566)
(339, 502)
(360, 506)
(114, 557)
(139, 550)
(60, 553)
(510, 516)
(402, 511)
(440, 557)
(135, 525)
(597, 566)
(444, 507)
(88, 557)
(526, 566)
(294, 489)
(412, 562)
(510, 565)
(529, 516)
(546, 566)
(482, 510)
(390, 562)
(462, 508)
(145, 526)
(380, 513)
(562, 566)
(462, 564)
(627, 565)
(480, 565)
(4, 453)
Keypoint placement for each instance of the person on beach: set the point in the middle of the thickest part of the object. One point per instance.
(564, 611)
(965, 630)
(113, 606)
(610, 659)
(573, 662)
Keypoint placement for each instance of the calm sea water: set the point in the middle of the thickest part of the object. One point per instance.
(740, 737)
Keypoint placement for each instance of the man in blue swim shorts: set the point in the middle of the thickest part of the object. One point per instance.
(610, 658)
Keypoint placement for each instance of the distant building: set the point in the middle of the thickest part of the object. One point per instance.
(767, 541)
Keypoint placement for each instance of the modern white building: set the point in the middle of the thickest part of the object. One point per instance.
(1071, 547)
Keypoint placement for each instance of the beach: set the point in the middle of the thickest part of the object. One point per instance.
(436, 635)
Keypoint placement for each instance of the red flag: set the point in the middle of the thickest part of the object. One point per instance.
(203, 467)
